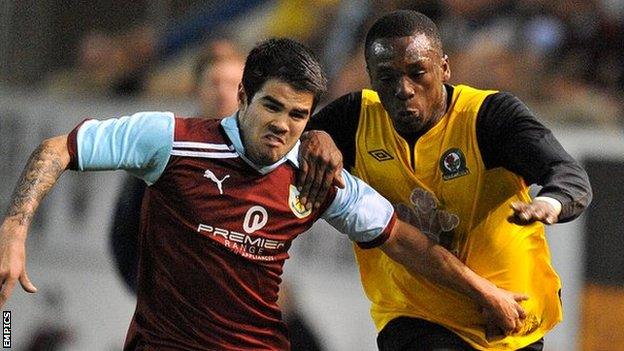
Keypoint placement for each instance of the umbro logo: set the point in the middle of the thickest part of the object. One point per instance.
(381, 155)
(210, 175)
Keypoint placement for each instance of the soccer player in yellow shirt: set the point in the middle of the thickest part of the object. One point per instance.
(456, 162)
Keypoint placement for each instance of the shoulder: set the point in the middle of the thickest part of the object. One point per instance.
(503, 100)
(197, 129)
(340, 114)
(141, 120)
(347, 103)
(502, 109)
(370, 103)
(143, 127)
(468, 99)
(369, 97)
(351, 99)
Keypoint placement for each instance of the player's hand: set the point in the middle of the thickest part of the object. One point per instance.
(536, 211)
(320, 168)
(12, 262)
(503, 313)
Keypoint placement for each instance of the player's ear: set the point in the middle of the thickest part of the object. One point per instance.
(446, 69)
(368, 69)
(241, 97)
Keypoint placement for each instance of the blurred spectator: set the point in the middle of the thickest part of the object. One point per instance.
(351, 77)
(217, 63)
(522, 46)
(573, 42)
(491, 63)
(110, 65)
(567, 47)
(139, 48)
(573, 102)
(217, 74)
(306, 21)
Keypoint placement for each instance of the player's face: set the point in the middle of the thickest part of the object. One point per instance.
(409, 76)
(273, 121)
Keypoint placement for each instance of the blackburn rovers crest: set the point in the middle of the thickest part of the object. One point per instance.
(453, 164)
(295, 203)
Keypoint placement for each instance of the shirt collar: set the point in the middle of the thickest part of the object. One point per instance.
(230, 125)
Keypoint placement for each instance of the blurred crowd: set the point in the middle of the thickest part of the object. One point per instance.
(561, 56)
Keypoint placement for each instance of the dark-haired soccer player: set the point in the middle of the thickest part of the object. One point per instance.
(453, 159)
(221, 211)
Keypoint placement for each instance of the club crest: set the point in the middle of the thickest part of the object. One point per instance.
(453, 164)
(294, 202)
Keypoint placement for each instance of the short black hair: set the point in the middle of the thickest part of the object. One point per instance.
(288, 61)
(403, 23)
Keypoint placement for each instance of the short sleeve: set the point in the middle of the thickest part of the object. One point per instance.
(140, 144)
(361, 213)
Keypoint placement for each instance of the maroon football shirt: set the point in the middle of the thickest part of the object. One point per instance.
(214, 238)
(215, 232)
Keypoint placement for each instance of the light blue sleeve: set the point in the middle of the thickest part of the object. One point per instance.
(358, 210)
(140, 144)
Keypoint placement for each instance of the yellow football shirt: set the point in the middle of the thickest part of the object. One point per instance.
(447, 163)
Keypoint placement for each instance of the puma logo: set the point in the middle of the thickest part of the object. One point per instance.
(208, 174)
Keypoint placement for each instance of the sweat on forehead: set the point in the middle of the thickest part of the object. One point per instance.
(416, 45)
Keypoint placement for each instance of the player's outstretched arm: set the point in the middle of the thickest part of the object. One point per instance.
(422, 257)
(367, 218)
(42, 171)
(139, 144)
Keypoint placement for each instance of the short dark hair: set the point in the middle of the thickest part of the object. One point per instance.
(288, 61)
(403, 23)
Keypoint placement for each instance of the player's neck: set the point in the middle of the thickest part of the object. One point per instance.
(439, 112)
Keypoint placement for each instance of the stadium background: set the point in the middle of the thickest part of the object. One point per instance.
(61, 61)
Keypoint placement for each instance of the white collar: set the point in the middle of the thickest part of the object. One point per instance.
(230, 125)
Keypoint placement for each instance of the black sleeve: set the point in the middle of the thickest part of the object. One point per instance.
(340, 120)
(510, 136)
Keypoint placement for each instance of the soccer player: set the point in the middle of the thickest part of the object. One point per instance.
(456, 161)
(217, 73)
(221, 211)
